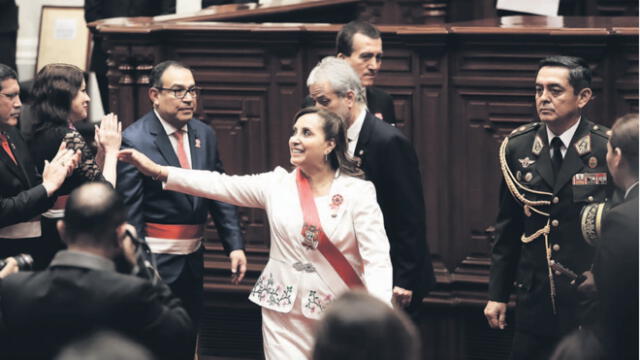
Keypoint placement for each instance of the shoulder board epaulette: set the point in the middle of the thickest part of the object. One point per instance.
(600, 130)
(524, 129)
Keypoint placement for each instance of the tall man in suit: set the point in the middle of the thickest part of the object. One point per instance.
(23, 195)
(615, 268)
(173, 223)
(82, 291)
(551, 169)
(389, 161)
(359, 43)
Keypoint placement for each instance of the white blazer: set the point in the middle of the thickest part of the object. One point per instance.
(355, 226)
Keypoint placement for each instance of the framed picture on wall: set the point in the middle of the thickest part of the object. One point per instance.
(64, 37)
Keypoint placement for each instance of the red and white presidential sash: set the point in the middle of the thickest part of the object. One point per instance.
(315, 238)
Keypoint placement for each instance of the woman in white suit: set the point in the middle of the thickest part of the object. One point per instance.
(327, 231)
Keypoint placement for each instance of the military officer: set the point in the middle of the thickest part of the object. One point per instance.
(551, 169)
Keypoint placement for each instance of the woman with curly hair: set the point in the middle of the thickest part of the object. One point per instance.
(60, 101)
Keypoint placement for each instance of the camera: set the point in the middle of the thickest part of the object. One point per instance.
(144, 266)
(25, 262)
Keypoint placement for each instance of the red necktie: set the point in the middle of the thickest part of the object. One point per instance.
(182, 155)
(7, 148)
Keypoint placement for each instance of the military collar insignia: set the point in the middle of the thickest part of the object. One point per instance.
(537, 145)
(583, 145)
(526, 162)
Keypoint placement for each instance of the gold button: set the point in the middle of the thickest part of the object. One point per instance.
(590, 198)
(556, 247)
(555, 223)
(596, 127)
(556, 200)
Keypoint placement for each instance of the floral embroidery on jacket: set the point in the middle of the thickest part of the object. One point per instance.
(315, 303)
(274, 295)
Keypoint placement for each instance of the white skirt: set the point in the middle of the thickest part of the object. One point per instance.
(287, 335)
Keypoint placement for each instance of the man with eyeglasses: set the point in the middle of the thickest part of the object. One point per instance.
(173, 224)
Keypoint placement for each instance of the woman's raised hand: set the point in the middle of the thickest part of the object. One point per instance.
(143, 163)
(109, 134)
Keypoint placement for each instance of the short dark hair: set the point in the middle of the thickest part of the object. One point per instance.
(579, 71)
(334, 129)
(6, 72)
(344, 39)
(624, 135)
(94, 209)
(358, 326)
(54, 88)
(158, 70)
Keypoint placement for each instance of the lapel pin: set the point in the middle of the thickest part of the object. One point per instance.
(593, 162)
(197, 143)
(336, 201)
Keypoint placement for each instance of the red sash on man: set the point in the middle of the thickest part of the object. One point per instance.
(315, 238)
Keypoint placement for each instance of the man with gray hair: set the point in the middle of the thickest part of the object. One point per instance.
(389, 161)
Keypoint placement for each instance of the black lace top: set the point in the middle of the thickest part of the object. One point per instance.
(44, 146)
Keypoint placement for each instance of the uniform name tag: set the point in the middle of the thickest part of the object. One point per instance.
(590, 179)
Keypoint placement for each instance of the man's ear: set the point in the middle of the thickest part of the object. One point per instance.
(617, 157)
(351, 98)
(153, 95)
(584, 96)
(61, 229)
(120, 235)
(341, 56)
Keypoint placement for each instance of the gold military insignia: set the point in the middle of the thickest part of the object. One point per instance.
(591, 222)
(526, 162)
(537, 146)
(593, 162)
(583, 145)
(528, 177)
(518, 175)
(519, 129)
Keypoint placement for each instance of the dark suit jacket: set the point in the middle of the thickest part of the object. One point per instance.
(80, 293)
(390, 162)
(22, 197)
(148, 202)
(379, 104)
(526, 264)
(616, 274)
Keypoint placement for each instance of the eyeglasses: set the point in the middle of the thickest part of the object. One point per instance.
(11, 96)
(182, 93)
